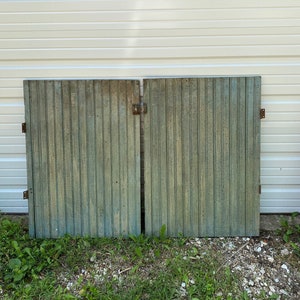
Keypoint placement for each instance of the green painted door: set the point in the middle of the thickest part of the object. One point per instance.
(83, 157)
(202, 156)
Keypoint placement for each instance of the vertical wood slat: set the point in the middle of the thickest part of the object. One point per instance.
(209, 214)
(253, 153)
(51, 154)
(66, 147)
(237, 158)
(218, 197)
(185, 155)
(60, 131)
(83, 157)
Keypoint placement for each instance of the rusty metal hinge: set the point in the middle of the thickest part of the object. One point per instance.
(262, 113)
(139, 108)
(26, 194)
(23, 127)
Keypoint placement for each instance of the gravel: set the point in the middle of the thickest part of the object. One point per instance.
(265, 265)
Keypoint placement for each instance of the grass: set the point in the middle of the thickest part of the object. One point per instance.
(138, 267)
(290, 232)
(83, 268)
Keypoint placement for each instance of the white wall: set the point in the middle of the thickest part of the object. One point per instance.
(123, 39)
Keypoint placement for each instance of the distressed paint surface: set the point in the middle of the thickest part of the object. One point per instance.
(202, 156)
(83, 157)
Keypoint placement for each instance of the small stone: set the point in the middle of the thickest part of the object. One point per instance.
(238, 268)
(251, 283)
(183, 284)
(257, 249)
(257, 279)
(272, 289)
(69, 285)
(231, 246)
(284, 292)
(262, 243)
(252, 267)
(284, 266)
(285, 252)
(270, 259)
(276, 280)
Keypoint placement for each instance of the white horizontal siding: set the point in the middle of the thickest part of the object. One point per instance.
(135, 39)
(147, 42)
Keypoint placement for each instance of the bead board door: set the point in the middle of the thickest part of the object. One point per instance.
(83, 157)
(202, 156)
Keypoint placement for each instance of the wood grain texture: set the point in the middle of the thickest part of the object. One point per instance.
(202, 156)
(83, 157)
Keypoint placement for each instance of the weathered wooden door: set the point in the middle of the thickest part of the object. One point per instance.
(83, 157)
(202, 156)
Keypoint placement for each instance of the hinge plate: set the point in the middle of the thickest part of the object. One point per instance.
(262, 113)
(26, 194)
(23, 127)
(139, 108)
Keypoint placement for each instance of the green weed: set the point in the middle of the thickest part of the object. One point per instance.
(139, 267)
(290, 232)
(139, 239)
